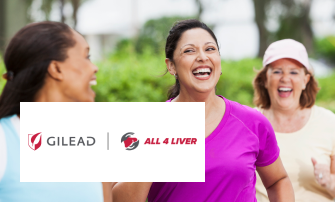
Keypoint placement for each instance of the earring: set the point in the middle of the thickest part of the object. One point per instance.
(175, 76)
(221, 74)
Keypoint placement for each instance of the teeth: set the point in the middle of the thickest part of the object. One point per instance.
(285, 89)
(201, 75)
(201, 70)
(93, 82)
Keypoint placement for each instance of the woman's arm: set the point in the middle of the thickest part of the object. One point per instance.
(131, 191)
(107, 191)
(276, 182)
(325, 176)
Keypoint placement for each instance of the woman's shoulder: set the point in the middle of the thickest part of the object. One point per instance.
(251, 117)
(245, 112)
(323, 112)
(12, 118)
(323, 116)
(3, 152)
(12, 121)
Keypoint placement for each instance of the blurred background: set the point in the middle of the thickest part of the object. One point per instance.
(127, 39)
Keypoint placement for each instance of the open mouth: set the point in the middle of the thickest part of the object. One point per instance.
(93, 82)
(284, 91)
(202, 72)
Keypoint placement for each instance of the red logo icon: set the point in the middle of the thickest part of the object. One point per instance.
(34, 141)
(130, 143)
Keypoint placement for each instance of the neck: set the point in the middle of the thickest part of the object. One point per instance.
(212, 102)
(288, 120)
(279, 113)
(51, 93)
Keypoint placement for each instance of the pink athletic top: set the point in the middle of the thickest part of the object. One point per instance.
(243, 140)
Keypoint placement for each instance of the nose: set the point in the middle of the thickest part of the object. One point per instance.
(285, 77)
(202, 56)
(95, 68)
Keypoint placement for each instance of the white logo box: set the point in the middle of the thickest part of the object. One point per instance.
(108, 160)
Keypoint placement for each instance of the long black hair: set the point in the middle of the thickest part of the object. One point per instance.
(171, 43)
(27, 59)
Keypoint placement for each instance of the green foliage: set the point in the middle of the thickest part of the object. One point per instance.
(236, 80)
(2, 71)
(130, 77)
(137, 77)
(326, 96)
(154, 33)
(325, 48)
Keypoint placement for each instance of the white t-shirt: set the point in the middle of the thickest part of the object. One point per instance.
(316, 139)
(3, 147)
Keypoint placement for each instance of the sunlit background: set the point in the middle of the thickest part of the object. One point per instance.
(127, 39)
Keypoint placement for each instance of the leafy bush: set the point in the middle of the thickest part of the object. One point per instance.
(130, 77)
(326, 96)
(236, 80)
(138, 77)
(2, 71)
(325, 48)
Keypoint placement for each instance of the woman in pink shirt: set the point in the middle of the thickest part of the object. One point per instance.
(239, 140)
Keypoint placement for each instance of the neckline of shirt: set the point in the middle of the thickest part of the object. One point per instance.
(301, 129)
(222, 122)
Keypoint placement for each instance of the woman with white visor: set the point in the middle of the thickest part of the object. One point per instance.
(285, 92)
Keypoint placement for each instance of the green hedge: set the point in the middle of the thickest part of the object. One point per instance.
(325, 48)
(2, 71)
(326, 95)
(129, 77)
(132, 78)
(136, 78)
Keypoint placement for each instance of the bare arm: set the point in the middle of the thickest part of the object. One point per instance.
(107, 191)
(131, 191)
(276, 182)
(325, 176)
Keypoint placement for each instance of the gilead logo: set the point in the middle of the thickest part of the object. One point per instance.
(72, 141)
(130, 143)
(35, 141)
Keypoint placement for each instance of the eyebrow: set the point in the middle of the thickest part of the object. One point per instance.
(210, 42)
(187, 45)
(194, 45)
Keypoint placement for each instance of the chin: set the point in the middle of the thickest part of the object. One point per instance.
(91, 96)
(91, 99)
(88, 98)
(204, 89)
(287, 104)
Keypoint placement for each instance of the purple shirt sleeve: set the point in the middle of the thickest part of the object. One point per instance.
(268, 147)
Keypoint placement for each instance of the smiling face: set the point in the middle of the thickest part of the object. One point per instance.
(196, 61)
(286, 79)
(78, 72)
